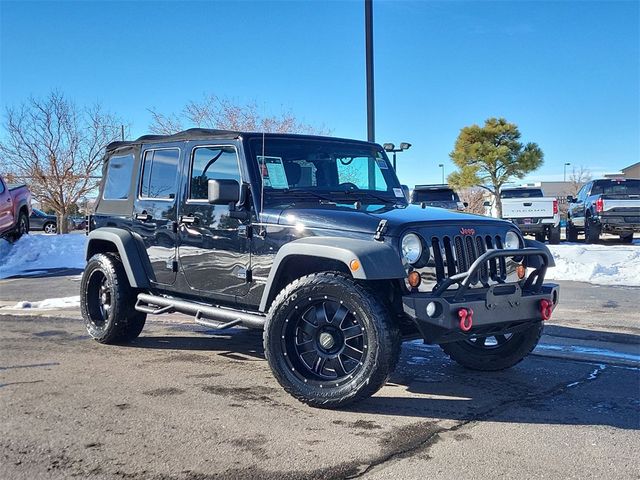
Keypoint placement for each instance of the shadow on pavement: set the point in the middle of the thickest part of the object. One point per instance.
(595, 335)
(44, 273)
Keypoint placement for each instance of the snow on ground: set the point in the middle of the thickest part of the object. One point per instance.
(597, 264)
(37, 253)
(49, 303)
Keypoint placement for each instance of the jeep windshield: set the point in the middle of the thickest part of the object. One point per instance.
(323, 170)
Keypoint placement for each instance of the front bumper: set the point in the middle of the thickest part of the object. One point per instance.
(497, 309)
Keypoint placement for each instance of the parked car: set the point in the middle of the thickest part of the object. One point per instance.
(15, 208)
(441, 196)
(40, 220)
(78, 222)
(312, 240)
(605, 206)
(534, 213)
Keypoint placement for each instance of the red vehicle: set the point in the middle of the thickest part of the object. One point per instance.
(15, 208)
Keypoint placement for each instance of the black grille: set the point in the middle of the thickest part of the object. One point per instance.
(456, 254)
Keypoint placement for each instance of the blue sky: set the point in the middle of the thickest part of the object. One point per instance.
(568, 73)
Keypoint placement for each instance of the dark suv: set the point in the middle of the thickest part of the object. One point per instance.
(310, 239)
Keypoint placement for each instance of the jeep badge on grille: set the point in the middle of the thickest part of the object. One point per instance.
(467, 231)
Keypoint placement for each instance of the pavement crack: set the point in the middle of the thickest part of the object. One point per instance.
(433, 436)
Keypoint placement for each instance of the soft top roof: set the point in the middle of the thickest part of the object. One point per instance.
(206, 133)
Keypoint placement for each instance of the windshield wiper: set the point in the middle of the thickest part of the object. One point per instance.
(384, 200)
(310, 192)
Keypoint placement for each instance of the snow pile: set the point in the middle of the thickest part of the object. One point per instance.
(49, 303)
(597, 264)
(38, 253)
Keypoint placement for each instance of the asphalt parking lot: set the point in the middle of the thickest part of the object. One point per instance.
(186, 403)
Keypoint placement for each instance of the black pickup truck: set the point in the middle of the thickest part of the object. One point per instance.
(310, 239)
(605, 206)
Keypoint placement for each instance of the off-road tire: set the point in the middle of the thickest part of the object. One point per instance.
(554, 235)
(572, 232)
(591, 231)
(380, 355)
(105, 275)
(495, 358)
(627, 238)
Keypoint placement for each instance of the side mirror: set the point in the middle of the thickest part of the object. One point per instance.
(466, 204)
(223, 192)
(407, 194)
(570, 199)
(486, 204)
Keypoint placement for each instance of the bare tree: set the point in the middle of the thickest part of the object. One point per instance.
(224, 114)
(475, 198)
(57, 148)
(577, 179)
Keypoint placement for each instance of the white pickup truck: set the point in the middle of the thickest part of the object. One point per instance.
(532, 212)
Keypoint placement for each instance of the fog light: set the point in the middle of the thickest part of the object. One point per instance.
(414, 279)
(521, 271)
(432, 309)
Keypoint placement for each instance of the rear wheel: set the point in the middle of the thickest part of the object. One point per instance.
(591, 231)
(554, 235)
(107, 301)
(539, 237)
(22, 227)
(495, 352)
(572, 232)
(329, 341)
(627, 238)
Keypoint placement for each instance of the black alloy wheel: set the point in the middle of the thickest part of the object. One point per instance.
(324, 341)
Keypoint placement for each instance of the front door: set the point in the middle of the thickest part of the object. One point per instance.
(154, 214)
(213, 247)
(577, 207)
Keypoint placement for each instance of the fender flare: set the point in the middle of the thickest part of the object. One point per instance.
(131, 249)
(378, 261)
(535, 262)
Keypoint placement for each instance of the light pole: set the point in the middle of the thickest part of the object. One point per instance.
(391, 148)
(368, 39)
(442, 167)
(565, 171)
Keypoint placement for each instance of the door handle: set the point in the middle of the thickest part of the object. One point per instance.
(187, 219)
(527, 204)
(144, 217)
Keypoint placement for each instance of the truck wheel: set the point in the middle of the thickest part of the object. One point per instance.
(107, 301)
(591, 231)
(539, 237)
(626, 238)
(49, 227)
(554, 235)
(572, 232)
(330, 341)
(22, 227)
(495, 352)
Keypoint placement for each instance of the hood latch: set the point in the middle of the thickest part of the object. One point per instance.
(380, 231)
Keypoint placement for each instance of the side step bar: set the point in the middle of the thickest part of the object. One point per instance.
(154, 304)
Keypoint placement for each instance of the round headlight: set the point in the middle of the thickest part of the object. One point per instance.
(511, 240)
(411, 248)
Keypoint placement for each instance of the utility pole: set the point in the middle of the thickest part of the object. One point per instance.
(122, 132)
(368, 28)
(564, 177)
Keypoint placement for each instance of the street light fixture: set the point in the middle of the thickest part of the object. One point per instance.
(565, 171)
(442, 167)
(391, 148)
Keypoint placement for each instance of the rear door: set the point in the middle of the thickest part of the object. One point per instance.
(6, 208)
(154, 212)
(214, 250)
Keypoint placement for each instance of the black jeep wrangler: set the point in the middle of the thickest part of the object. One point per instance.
(310, 239)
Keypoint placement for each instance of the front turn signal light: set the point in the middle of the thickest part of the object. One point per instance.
(414, 279)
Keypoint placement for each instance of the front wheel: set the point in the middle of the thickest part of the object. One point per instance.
(495, 352)
(329, 341)
(554, 235)
(572, 232)
(627, 238)
(49, 228)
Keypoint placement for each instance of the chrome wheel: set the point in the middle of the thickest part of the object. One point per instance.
(50, 228)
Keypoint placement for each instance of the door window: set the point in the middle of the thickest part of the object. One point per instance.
(159, 174)
(211, 163)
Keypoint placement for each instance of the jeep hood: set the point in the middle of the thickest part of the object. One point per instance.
(367, 218)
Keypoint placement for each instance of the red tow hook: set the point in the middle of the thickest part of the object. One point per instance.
(466, 319)
(546, 309)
